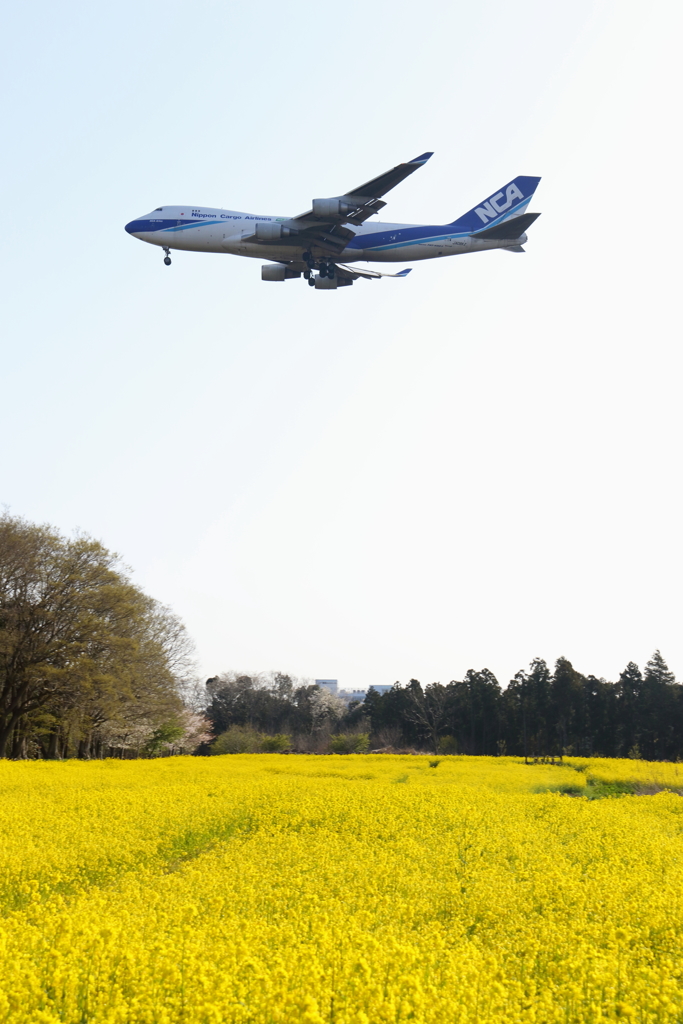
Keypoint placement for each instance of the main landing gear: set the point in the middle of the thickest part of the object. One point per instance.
(167, 257)
(324, 269)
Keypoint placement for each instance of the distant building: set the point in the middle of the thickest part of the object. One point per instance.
(352, 695)
(381, 687)
(327, 684)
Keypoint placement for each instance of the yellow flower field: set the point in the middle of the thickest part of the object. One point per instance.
(344, 890)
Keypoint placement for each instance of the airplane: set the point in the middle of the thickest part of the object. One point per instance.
(321, 243)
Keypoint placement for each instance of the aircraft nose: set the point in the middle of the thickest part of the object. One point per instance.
(131, 227)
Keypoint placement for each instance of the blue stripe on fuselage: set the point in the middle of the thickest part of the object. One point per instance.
(157, 224)
(398, 238)
(182, 225)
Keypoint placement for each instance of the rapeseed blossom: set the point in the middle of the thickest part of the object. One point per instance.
(258, 889)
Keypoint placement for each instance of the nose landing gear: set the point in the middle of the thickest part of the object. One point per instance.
(167, 257)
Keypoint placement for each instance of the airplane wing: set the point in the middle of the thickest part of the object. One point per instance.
(323, 223)
(385, 182)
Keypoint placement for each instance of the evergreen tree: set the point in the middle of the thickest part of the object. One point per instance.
(659, 710)
(629, 709)
(538, 709)
(568, 711)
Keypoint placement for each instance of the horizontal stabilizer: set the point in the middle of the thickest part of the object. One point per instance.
(513, 248)
(369, 275)
(512, 228)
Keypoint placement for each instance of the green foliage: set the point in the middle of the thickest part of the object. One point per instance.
(237, 739)
(350, 743)
(569, 789)
(167, 733)
(275, 744)
(447, 745)
(80, 645)
(598, 790)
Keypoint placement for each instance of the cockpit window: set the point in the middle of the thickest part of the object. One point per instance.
(158, 209)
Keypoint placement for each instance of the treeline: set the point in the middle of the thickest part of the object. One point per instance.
(90, 665)
(541, 712)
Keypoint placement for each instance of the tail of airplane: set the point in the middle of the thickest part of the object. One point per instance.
(511, 201)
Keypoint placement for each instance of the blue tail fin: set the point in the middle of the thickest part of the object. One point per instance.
(511, 201)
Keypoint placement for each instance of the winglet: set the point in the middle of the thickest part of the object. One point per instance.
(403, 273)
(420, 159)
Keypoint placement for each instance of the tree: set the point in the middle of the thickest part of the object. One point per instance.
(326, 708)
(481, 692)
(629, 699)
(659, 710)
(428, 709)
(537, 707)
(566, 698)
(267, 702)
(658, 672)
(79, 643)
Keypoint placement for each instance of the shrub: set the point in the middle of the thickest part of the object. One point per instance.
(237, 740)
(350, 743)
(275, 744)
(447, 745)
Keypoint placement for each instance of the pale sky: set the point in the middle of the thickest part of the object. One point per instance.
(470, 467)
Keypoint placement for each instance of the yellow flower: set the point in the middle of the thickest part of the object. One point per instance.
(258, 889)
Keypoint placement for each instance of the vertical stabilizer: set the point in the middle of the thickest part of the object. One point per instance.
(510, 201)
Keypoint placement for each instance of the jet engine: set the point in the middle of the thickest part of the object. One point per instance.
(277, 272)
(325, 208)
(332, 282)
(269, 231)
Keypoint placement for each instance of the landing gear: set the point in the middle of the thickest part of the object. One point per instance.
(167, 257)
(324, 269)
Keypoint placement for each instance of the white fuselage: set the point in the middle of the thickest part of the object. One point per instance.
(205, 229)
